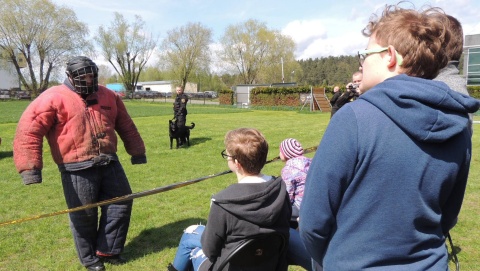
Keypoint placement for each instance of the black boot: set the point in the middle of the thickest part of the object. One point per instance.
(171, 268)
(98, 266)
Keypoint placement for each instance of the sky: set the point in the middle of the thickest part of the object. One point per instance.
(320, 28)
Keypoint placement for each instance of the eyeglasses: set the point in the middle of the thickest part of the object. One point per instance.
(363, 54)
(225, 155)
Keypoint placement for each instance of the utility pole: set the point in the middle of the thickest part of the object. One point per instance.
(283, 77)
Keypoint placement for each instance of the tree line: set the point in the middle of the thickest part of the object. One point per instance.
(37, 37)
(328, 71)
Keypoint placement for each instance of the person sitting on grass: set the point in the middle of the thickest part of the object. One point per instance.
(256, 204)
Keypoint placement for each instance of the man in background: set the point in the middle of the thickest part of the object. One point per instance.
(180, 107)
(351, 93)
(450, 74)
(336, 94)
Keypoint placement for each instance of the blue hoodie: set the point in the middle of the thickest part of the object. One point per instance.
(388, 178)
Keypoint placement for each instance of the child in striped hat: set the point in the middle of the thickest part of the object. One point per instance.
(294, 172)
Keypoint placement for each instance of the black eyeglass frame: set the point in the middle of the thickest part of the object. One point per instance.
(225, 155)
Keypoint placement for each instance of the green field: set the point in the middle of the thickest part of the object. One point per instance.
(158, 220)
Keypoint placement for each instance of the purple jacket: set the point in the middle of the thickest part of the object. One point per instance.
(294, 174)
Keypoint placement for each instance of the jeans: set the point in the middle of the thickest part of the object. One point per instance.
(297, 253)
(189, 253)
(295, 212)
(91, 185)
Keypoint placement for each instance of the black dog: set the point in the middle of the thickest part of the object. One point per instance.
(181, 134)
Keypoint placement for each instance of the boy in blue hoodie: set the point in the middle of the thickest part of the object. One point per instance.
(388, 178)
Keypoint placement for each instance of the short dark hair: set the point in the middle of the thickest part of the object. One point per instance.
(454, 47)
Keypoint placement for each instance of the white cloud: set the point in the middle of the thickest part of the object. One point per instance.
(336, 46)
(305, 32)
(471, 29)
(318, 29)
(317, 38)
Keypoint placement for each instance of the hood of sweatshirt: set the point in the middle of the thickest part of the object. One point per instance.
(258, 203)
(301, 163)
(435, 112)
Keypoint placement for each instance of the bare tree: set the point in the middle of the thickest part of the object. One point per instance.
(250, 48)
(104, 73)
(45, 34)
(185, 50)
(126, 47)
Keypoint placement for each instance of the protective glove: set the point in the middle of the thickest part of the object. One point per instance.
(31, 176)
(139, 159)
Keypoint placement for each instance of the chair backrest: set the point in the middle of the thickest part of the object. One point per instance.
(256, 251)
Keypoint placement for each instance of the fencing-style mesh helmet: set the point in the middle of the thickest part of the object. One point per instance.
(83, 73)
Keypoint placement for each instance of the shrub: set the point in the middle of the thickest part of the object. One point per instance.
(225, 97)
(277, 96)
(474, 91)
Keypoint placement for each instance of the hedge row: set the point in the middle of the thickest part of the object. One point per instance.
(474, 91)
(277, 96)
(289, 96)
(280, 90)
(225, 97)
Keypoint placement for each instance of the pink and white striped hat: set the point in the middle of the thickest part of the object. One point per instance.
(291, 148)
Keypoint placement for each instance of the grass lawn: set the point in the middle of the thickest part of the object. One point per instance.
(158, 220)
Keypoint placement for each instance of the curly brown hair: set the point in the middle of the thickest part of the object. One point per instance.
(418, 36)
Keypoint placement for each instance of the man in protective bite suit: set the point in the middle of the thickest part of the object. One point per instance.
(80, 120)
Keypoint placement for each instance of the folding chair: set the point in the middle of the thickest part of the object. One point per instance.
(255, 252)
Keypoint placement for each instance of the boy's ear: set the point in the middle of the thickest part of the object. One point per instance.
(392, 59)
(395, 59)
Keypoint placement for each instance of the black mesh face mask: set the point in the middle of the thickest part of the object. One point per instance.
(84, 75)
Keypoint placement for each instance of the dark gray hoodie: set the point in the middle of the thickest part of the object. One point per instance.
(243, 210)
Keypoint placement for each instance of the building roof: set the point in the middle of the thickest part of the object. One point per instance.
(116, 87)
(154, 83)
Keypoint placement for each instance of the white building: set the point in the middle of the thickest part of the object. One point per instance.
(8, 76)
(164, 86)
(471, 51)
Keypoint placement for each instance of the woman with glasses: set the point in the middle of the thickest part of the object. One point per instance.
(256, 204)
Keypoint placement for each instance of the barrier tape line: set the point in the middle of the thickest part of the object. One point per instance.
(133, 195)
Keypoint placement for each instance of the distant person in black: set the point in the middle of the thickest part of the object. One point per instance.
(180, 107)
(351, 93)
(336, 94)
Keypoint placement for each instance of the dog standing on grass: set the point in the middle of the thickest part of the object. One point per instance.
(180, 134)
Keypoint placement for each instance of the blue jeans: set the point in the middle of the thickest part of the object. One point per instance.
(189, 253)
(107, 235)
(297, 253)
